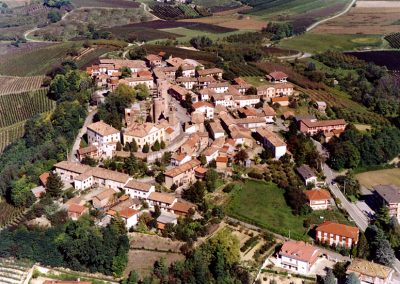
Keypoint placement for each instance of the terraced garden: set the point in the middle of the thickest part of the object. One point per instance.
(14, 271)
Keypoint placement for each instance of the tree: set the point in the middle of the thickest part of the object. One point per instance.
(133, 278)
(201, 42)
(241, 156)
(89, 161)
(137, 53)
(382, 218)
(179, 72)
(339, 270)
(142, 92)
(21, 194)
(352, 279)
(146, 148)
(203, 159)
(54, 16)
(162, 144)
(251, 91)
(133, 146)
(125, 72)
(188, 103)
(54, 185)
(157, 212)
(210, 178)
(228, 244)
(156, 146)
(363, 247)
(160, 269)
(195, 192)
(384, 253)
(329, 277)
(160, 178)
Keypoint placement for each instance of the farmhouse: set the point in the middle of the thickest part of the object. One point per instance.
(370, 272)
(271, 141)
(75, 211)
(337, 234)
(102, 133)
(298, 256)
(90, 151)
(225, 100)
(312, 126)
(166, 218)
(181, 175)
(251, 122)
(213, 72)
(389, 196)
(182, 209)
(318, 199)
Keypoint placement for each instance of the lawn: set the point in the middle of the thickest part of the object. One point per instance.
(187, 34)
(316, 43)
(362, 127)
(264, 205)
(372, 178)
(256, 81)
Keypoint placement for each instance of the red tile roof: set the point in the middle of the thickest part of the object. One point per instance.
(317, 194)
(278, 75)
(339, 229)
(221, 159)
(300, 250)
(43, 178)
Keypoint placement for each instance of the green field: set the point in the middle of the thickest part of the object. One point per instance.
(264, 205)
(187, 34)
(372, 178)
(316, 43)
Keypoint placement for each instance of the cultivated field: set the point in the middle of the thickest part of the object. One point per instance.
(368, 17)
(10, 84)
(106, 3)
(10, 134)
(372, 178)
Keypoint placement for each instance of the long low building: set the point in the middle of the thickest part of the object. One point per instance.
(313, 126)
(271, 141)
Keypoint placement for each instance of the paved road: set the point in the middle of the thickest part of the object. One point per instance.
(82, 131)
(180, 111)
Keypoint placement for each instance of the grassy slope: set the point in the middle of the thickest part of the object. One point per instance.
(263, 204)
(372, 178)
(316, 43)
(187, 34)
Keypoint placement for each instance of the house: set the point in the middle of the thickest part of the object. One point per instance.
(90, 151)
(154, 60)
(246, 100)
(43, 178)
(75, 211)
(212, 72)
(179, 159)
(389, 196)
(219, 87)
(216, 130)
(225, 100)
(102, 133)
(178, 92)
(307, 174)
(251, 123)
(313, 126)
(143, 133)
(271, 141)
(200, 172)
(139, 190)
(135, 81)
(282, 101)
(203, 82)
(166, 218)
(206, 94)
(163, 200)
(318, 199)
(188, 70)
(204, 107)
(128, 215)
(298, 256)
(187, 82)
(321, 106)
(337, 234)
(370, 272)
(277, 77)
(38, 191)
(182, 208)
(181, 175)
(104, 198)
(211, 153)
(110, 66)
(269, 114)
(222, 163)
(241, 136)
(84, 176)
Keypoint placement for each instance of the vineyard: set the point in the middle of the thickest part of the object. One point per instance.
(10, 134)
(10, 85)
(9, 214)
(394, 40)
(18, 107)
(180, 11)
(243, 69)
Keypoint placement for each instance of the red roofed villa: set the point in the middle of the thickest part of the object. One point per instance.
(319, 199)
(298, 256)
(337, 234)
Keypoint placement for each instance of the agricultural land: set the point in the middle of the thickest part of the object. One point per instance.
(372, 178)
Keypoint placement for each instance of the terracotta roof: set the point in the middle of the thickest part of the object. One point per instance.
(178, 156)
(364, 267)
(144, 73)
(269, 111)
(134, 184)
(153, 57)
(182, 207)
(76, 208)
(200, 170)
(280, 99)
(104, 174)
(140, 129)
(278, 75)
(106, 193)
(169, 130)
(250, 120)
(178, 89)
(216, 127)
(339, 229)
(102, 128)
(200, 104)
(161, 197)
(119, 63)
(273, 138)
(205, 79)
(88, 149)
(322, 123)
(221, 159)
(210, 71)
(182, 168)
(128, 213)
(43, 178)
(210, 151)
(72, 167)
(300, 251)
(186, 79)
(218, 85)
(317, 194)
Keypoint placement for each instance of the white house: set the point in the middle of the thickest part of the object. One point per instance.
(298, 256)
(179, 159)
(204, 107)
(219, 87)
(102, 133)
(129, 216)
(139, 190)
(318, 199)
(271, 141)
(216, 130)
(211, 153)
(163, 200)
(187, 82)
(242, 101)
(307, 174)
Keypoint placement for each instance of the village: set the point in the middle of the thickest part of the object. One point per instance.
(197, 122)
